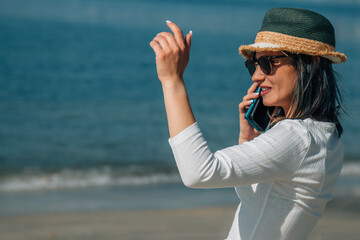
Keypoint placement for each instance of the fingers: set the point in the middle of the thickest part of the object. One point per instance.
(249, 98)
(243, 106)
(156, 47)
(188, 40)
(172, 52)
(178, 34)
(175, 41)
(167, 40)
(162, 42)
(253, 88)
(247, 101)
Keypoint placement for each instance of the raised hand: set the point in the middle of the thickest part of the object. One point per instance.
(172, 53)
(172, 56)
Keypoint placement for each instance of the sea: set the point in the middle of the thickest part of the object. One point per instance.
(82, 118)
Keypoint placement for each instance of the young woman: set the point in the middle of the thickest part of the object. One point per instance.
(284, 176)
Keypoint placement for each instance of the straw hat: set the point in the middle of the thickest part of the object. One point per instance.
(297, 31)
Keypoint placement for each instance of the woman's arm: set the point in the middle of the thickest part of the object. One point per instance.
(276, 154)
(172, 56)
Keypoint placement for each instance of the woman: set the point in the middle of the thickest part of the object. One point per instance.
(284, 176)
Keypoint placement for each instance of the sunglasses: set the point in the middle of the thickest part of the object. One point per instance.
(265, 63)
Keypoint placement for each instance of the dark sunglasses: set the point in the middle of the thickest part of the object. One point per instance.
(265, 63)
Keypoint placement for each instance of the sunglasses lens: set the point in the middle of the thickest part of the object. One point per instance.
(250, 65)
(265, 65)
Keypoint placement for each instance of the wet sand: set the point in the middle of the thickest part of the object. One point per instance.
(170, 224)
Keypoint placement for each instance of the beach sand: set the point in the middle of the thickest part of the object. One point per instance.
(170, 224)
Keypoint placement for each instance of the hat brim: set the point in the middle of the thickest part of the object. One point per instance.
(274, 42)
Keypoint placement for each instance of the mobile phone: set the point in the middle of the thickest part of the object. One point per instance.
(258, 113)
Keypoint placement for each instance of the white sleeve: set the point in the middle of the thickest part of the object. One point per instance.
(273, 155)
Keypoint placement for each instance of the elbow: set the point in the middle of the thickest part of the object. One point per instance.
(192, 180)
(205, 176)
(198, 171)
(192, 183)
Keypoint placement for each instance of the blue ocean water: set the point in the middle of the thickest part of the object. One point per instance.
(80, 103)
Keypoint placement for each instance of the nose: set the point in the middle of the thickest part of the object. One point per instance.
(258, 75)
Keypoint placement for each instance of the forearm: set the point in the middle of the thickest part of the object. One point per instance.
(172, 56)
(177, 105)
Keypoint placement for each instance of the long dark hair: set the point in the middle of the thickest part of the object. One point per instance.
(317, 93)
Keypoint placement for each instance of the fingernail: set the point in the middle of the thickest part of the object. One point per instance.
(190, 32)
(250, 101)
(256, 93)
(168, 21)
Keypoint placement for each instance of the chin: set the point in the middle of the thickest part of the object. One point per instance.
(268, 103)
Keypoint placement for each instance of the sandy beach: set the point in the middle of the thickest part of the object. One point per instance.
(171, 224)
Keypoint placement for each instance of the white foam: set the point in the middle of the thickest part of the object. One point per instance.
(97, 177)
(351, 169)
(71, 179)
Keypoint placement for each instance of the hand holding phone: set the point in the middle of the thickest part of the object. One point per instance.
(258, 113)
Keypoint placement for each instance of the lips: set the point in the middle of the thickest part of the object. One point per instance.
(265, 90)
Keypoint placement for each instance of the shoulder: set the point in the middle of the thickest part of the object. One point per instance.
(304, 127)
(304, 135)
(291, 136)
(307, 128)
(286, 144)
(291, 129)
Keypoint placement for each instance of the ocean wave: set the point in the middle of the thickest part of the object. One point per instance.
(133, 175)
(72, 179)
(351, 169)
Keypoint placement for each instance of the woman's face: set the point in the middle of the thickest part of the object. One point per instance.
(277, 87)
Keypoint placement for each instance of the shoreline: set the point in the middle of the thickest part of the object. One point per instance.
(170, 224)
(171, 212)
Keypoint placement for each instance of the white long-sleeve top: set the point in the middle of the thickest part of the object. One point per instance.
(284, 177)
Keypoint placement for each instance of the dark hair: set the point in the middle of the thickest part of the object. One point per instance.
(317, 93)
